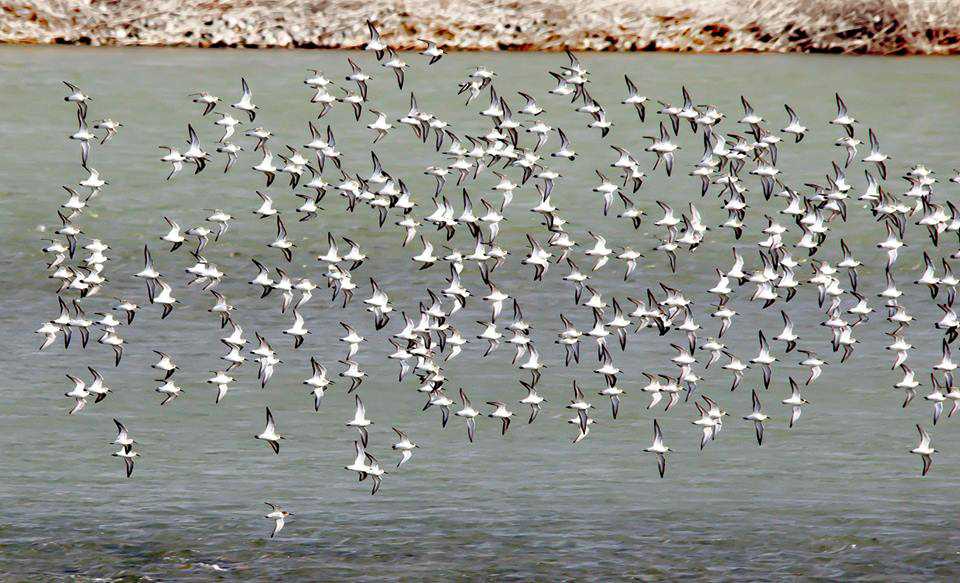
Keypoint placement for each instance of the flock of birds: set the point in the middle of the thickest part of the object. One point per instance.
(429, 340)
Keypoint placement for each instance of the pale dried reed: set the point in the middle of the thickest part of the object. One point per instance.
(838, 26)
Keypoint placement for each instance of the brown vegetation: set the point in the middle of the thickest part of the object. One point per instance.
(839, 26)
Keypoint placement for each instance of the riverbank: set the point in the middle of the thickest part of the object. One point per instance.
(839, 26)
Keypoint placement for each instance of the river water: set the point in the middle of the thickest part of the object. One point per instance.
(838, 496)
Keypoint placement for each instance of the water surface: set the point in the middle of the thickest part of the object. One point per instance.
(836, 497)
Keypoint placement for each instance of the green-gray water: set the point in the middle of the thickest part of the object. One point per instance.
(838, 496)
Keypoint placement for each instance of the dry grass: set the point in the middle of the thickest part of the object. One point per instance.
(840, 26)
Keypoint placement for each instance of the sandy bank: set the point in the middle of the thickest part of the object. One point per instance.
(841, 26)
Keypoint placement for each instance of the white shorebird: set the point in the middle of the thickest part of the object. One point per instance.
(843, 119)
(165, 365)
(360, 462)
(77, 96)
(765, 359)
(469, 414)
(758, 417)
(433, 51)
(164, 297)
(924, 450)
(615, 393)
(354, 373)
(84, 136)
(634, 98)
(707, 425)
(229, 125)
(123, 437)
(195, 153)
(267, 167)
(795, 401)
(127, 454)
(270, 434)
(281, 242)
(222, 380)
(170, 391)
(97, 386)
(876, 156)
(375, 471)
(375, 44)
(360, 421)
(279, 516)
(394, 62)
(658, 448)
(937, 397)
(49, 330)
(79, 393)
(664, 148)
(246, 103)
(352, 340)
(380, 125)
(502, 413)
(208, 100)
(533, 399)
(109, 126)
(318, 382)
(404, 446)
(298, 330)
(175, 158)
(794, 127)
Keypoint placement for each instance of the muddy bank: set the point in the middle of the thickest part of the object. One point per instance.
(841, 26)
